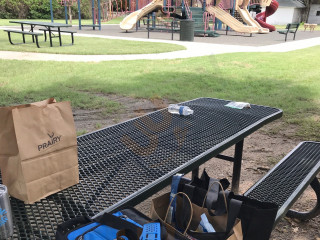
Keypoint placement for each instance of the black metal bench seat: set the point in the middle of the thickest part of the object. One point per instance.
(284, 183)
(33, 34)
(290, 28)
(55, 31)
(91, 25)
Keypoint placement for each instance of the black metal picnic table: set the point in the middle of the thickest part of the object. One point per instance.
(126, 163)
(47, 25)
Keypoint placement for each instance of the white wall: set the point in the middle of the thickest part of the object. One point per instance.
(312, 14)
(282, 16)
(297, 16)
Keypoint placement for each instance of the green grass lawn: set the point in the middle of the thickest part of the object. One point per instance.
(289, 81)
(86, 46)
(5, 22)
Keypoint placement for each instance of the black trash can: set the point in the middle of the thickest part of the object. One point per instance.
(187, 30)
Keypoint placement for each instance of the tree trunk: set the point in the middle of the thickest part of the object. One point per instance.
(70, 15)
(307, 11)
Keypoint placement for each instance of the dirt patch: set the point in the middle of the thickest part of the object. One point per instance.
(262, 150)
(91, 120)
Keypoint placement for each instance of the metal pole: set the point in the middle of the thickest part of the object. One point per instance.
(195, 172)
(93, 18)
(182, 8)
(66, 11)
(234, 3)
(153, 19)
(237, 167)
(79, 14)
(51, 10)
(137, 8)
(148, 26)
(172, 29)
(99, 15)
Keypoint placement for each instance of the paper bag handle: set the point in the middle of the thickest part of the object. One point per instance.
(223, 193)
(191, 214)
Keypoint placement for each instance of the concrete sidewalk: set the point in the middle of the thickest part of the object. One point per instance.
(194, 49)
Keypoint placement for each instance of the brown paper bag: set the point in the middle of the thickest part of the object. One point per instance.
(159, 211)
(219, 223)
(38, 149)
(237, 231)
(160, 206)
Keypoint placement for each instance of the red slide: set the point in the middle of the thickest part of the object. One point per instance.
(261, 18)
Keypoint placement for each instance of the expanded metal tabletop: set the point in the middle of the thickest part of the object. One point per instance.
(44, 24)
(127, 162)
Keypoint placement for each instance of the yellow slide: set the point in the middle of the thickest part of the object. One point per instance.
(231, 21)
(130, 21)
(245, 15)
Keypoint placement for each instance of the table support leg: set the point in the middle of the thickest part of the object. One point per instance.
(59, 36)
(37, 41)
(312, 213)
(50, 36)
(32, 31)
(23, 38)
(9, 35)
(237, 167)
(195, 172)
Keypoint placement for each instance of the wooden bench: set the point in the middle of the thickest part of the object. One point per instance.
(310, 26)
(284, 183)
(33, 34)
(290, 28)
(56, 30)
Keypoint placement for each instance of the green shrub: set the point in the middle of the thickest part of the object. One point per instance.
(13, 9)
(40, 9)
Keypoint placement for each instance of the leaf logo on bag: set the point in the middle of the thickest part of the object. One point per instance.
(53, 140)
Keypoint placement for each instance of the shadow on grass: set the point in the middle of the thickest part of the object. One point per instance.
(177, 86)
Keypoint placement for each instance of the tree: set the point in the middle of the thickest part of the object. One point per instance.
(307, 11)
(69, 4)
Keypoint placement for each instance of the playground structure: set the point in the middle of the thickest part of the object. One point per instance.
(130, 21)
(96, 13)
(102, 10)
(233, 13)
(246, 17)
(262, 17)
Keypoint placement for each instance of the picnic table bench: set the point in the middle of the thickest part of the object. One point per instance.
(311, 26)
(35, 34)
(126, 163)
(290, 28)
(168, 26)
(284, 183)
(57, 31)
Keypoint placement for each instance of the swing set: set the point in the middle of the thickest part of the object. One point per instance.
(96, 13)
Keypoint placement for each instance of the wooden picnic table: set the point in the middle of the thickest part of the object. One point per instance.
(128, 162)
